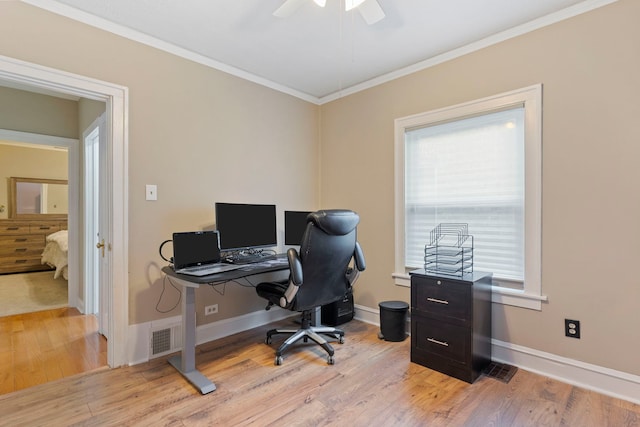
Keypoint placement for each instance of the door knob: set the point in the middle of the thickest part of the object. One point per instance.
(101, 246)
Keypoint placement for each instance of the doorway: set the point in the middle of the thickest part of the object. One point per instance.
(115, 174)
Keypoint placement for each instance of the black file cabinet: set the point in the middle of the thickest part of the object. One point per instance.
(451, 323)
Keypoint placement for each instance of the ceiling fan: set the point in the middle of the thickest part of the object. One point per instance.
(369, 9)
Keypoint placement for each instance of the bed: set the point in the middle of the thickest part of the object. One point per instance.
(56, 252)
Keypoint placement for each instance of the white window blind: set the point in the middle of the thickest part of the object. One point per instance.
(470, 170)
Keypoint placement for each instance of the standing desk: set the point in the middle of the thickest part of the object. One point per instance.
(185, 362)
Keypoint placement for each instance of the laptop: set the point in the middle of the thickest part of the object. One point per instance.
(197, 253)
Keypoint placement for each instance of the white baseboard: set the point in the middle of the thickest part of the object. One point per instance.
(367, 315)
(226, 327)
(603, 380)
(140, 334)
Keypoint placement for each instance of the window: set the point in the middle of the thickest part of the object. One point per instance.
(477, 163)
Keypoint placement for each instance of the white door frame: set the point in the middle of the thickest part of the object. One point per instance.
(90, 142)
(116, 98)
(97, 261)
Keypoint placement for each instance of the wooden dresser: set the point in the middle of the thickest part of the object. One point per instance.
(22, 242)
(451, 323)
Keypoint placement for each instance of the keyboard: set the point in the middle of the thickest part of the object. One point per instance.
(249, 259)
(205, 270)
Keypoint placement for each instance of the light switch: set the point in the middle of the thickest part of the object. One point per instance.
(152, 192)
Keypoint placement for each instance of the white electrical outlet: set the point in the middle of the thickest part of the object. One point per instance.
(211, 309)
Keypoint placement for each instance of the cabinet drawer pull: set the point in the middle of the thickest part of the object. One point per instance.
(21, 249)
(442, 343)
(21, 261)
(44, 227)
(439, 301)
(12, 228)
(24, 239)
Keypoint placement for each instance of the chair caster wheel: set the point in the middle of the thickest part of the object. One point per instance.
(268, 340)
(341, 339)
(331, 360)
(278, 360)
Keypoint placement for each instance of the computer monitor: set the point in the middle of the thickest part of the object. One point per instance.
(295, 222)
(246, 226)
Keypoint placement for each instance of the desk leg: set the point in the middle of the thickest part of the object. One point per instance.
(185, 363)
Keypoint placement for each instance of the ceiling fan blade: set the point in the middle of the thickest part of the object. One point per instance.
(371, 11)
(287, 8)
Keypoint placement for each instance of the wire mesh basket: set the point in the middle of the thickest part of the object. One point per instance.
(450, 250)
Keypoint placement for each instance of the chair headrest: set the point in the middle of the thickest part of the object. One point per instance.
(336, 222)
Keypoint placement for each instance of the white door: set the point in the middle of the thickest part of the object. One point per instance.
(103, 242)
(96, 234)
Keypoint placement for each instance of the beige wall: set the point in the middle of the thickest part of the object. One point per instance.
(88, 111)
(199, 134)
(588, 66)
(36, 113)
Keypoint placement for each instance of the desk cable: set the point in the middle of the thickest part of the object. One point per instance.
(164, 282)
(169, 260)
(164, 287)
(216, 285)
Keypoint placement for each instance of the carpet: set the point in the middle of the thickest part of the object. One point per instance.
(28, 292)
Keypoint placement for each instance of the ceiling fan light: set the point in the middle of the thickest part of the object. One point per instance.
(352, 4)
(320, 3)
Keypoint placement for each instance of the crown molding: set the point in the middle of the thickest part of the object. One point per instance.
(536, 24)
(94, 21)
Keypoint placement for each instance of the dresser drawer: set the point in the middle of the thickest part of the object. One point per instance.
(17, 263)
(43, 228)
(441, 339)
(449, 300)
(14, 229)
(22, 245)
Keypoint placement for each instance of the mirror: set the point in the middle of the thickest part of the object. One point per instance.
(33, 198)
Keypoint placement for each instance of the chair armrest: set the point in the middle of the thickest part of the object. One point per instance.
(359, 265)
(295, 278)
(358, 257)
(295, 266)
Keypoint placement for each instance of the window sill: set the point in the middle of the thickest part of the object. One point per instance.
(499, 295)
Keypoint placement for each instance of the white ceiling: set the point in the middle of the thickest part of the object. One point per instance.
(318, 54)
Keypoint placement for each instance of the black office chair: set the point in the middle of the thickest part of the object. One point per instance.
(320, 274)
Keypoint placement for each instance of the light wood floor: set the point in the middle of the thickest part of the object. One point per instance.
(372, 384)
(48, 345)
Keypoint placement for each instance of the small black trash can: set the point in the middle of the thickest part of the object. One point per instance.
(393, 319)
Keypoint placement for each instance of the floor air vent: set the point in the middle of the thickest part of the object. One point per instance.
(164, 341)
(500, 371)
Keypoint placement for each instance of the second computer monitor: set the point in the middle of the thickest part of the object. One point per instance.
(246, 226)
(295, 222)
